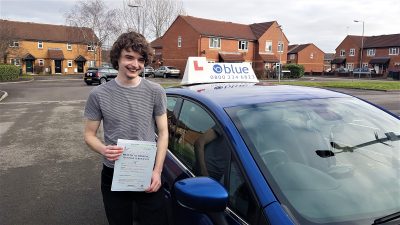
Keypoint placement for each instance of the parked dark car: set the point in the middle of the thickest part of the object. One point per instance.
(99, 75)
(167, 71)
(149, 71)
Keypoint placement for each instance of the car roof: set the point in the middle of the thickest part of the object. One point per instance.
(235, 94)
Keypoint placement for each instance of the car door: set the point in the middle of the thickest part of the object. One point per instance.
(188, 122)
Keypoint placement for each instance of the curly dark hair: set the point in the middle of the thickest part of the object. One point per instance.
(128, 41)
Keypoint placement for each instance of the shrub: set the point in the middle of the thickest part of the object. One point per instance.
(296, 70)
(9, 72)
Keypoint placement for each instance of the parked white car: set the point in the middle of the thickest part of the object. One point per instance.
(167, 71)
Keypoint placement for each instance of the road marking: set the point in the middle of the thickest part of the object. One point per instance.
(42, 102)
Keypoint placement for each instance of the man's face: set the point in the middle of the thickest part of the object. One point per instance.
(130, 64)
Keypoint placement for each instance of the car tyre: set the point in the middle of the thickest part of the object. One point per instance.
(165, 75)
(103, 80)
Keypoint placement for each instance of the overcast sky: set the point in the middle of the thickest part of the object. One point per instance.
(324, 23)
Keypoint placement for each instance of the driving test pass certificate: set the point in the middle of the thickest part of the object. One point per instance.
(133, 169)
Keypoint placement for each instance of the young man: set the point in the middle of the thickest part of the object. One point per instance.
(129, 107)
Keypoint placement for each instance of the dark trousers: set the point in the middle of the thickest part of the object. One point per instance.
(119, 205)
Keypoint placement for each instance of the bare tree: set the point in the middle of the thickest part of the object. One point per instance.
(94, 14)
(150, 17)
(7, 36)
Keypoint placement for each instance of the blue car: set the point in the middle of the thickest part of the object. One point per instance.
(256, 153)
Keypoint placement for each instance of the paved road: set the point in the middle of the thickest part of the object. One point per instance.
(47, 174)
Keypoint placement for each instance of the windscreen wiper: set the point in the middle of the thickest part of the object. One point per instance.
(387, 218)
(390, 136)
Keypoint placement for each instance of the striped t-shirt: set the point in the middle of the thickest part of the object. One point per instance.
(127, 112)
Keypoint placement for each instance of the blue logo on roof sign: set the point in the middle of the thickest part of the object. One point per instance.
(230, 69)
(217, 68)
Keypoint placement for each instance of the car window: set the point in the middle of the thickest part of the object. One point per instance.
(113, 71)
(193, 122)
(199, 143)
(103, 70)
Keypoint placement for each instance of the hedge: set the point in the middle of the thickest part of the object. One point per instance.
(9, 72)
(296, 70)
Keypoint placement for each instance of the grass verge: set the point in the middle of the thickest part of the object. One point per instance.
(367, 85)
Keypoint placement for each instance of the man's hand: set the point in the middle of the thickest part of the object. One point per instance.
(112, 152)
(155, 182)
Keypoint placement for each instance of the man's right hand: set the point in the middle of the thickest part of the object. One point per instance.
(112, 152)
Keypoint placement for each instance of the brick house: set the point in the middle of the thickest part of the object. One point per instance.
(53, 49)
(261, 44)
(308, 55)
(379, 52)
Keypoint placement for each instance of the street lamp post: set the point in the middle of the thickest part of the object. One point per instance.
(138, 29)
(280, 53)
(362, 42)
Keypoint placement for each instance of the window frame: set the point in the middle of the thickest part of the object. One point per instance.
(394, 51)
(215, 42)
(41, 62)
(90, 48)
(15, 61)
(342, 52)
(243, 45)
(40, 44)
(69, 63)
(179, 41)
(14, 44)
(352, 52)
(371, 52)
(268, 46)
(280, 47)
(69, 46)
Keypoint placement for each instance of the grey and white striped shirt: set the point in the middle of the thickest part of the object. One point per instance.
(127, 112)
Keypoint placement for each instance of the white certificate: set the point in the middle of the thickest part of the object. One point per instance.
(133, 169)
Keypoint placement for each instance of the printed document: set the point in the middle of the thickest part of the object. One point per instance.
(133, 169)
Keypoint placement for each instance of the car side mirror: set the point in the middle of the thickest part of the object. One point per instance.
(201, 194)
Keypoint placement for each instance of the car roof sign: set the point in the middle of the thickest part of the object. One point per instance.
(198, 70)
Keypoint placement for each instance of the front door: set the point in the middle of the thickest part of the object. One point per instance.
(80, 67)
(57, 64)
(29, 66)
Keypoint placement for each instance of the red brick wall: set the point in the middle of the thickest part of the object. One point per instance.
(316, 64)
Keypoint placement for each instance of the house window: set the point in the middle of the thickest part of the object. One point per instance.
(342, 52)
(243, 45)
(268, 46)
(14, 44)
(311, 55)
(41, 62)
(215, 42)
(92, 63)
(40, 44)
(365, 65)
(69, 63)
(352, 52)
(371, 52)
(69, 46)
(15, 62)
(280, 46)
(350, 66)
(393, 51)
(179, 41)
(292, 56)
(90, 48)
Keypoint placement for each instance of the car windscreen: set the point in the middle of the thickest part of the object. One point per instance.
(329, 161)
